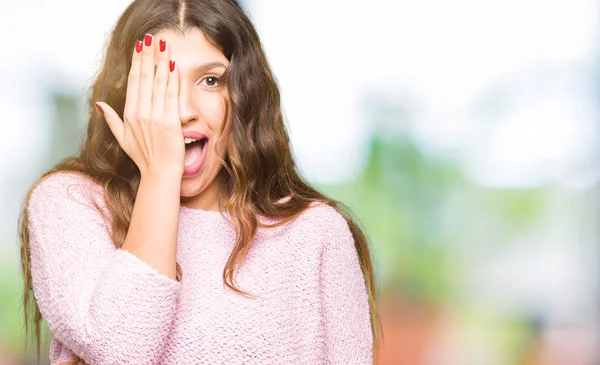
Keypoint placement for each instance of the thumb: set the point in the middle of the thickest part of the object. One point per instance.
(112, 119)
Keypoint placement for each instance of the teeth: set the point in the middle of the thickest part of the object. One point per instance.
(189, 140)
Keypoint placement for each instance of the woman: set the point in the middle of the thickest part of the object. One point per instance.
(181, 233)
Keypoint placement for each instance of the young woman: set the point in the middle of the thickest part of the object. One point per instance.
(181, 233)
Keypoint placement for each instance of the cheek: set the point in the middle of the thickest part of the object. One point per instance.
(213, 110)
(222, 148)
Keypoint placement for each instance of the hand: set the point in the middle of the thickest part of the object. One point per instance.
(151, 134)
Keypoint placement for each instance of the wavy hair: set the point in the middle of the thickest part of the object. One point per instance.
(258, 170)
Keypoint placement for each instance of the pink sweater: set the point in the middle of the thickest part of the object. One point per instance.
(107, 306)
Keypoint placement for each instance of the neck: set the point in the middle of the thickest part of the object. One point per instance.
(206, 199)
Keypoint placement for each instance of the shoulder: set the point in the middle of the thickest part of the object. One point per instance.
(324, 220)
(61, 179)
(335, 242)
(64, 188)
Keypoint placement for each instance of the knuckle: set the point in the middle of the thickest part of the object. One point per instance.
(171, 92)
(160, 79)
(127, 117)
(133, 76)
(146, 72)
(155, 119)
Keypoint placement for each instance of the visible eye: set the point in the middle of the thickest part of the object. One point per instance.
(212, 81)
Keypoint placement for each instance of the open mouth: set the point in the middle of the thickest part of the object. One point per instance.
(193, 151)
(200, 142)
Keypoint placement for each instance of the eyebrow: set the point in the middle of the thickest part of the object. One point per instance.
(208, 66)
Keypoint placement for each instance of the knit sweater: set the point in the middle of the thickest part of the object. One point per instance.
(105, 305)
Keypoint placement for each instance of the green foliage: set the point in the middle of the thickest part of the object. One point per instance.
(11, 310)
(419, 211)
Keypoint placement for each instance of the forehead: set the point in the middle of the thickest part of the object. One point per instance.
(191, 49)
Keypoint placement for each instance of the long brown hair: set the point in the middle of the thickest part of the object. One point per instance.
(259, 169)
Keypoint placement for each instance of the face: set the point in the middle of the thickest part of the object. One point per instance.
(201, 109)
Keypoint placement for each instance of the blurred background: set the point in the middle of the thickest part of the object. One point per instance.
(463, 134)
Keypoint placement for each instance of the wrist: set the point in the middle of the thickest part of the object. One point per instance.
(169, 177)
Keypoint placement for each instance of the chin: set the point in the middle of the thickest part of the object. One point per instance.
(192, 186)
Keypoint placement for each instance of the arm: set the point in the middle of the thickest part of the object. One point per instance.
(152, 234)
(348, 335)
(107, 305)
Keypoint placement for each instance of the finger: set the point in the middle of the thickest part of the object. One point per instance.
(161, 78)
(112, 119)
(172, 97)
(146, 78)
(133, 82)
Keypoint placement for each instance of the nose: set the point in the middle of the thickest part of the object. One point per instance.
(187, 109)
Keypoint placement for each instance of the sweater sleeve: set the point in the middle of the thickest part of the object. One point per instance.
(106, 305)
(348, 335)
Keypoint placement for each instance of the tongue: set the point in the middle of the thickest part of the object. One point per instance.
(192, 153)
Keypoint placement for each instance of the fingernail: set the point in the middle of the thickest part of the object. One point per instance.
(163, 45)
(172, 65)
(99, 108)
(138, 46)
(148, 40)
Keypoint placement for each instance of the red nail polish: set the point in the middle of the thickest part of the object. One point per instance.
(148, 40)
(172, 65)
(99, 108)
(138, 46)
(163, 45)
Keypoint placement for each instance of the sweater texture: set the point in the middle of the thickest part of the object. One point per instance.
(105, 305)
